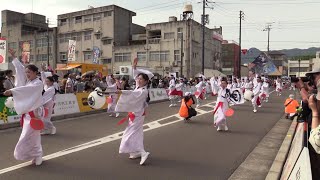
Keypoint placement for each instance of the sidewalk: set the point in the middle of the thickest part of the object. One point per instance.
(259, 161)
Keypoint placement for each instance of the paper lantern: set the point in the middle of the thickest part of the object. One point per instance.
(9, 102)
(229, 112)
(96, 100)
(248, 95)
(36, 124)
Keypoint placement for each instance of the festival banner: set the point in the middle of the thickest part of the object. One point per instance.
(72, 50)
(263, 65)
(25, 56)
(96, 55)
(3, 48)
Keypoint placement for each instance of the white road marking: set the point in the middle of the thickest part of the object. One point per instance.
(151, 125)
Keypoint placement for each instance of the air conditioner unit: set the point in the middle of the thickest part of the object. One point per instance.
(124, 70)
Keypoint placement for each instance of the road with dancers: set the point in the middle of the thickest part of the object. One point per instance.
(87, 147)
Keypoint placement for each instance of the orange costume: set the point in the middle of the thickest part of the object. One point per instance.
(291, 106)
(183, 112)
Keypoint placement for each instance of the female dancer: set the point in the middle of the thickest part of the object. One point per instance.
(27, 96)
(135, 102)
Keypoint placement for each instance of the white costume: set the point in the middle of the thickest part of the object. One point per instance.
(48, 102)
(27, 97)
(256, 92)
(221, 107)
(214, 86)
(134, 101)
(265, 91)
(278, 88)
(199, 92)
(112, 88)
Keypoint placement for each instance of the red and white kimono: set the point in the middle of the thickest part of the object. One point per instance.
(220, 119)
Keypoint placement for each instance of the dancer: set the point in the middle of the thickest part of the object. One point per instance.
(264, 95)
(27, 96)
(199, 91)
(180, 87)
(135, 102)
(221, 107)
(113, 85)
(186, 111)
(173, 93)
(256, 91)
(214, 86)
(278, 87)
(48, 102)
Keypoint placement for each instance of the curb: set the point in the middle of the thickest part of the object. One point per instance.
(278, 163)
(65, 116)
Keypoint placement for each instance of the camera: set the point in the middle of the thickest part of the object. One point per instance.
(309, 79)
(295, 79)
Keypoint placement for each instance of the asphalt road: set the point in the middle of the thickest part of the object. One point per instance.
(179, 150)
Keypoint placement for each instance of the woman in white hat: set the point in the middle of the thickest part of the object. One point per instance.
(135, 102)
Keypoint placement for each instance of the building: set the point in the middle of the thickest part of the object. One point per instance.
(280, 60)
(299, 66)
(18, 28)
(103, 27)
(316, 61)
(160, 48)
(230, 58)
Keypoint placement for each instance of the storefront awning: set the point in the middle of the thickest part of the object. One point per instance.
(68, 67)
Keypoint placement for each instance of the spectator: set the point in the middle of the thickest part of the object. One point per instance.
(291, 106)
(69, 84)
(9, 81)
(125, 84)
(2, 88)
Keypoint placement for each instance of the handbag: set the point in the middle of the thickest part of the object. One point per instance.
(192, 111)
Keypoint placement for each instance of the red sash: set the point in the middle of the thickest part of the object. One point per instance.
(130, 117)
(220, 104)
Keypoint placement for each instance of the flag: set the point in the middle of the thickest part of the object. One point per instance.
(3, 48)
(96, 55)
(72, 50)
(236, 96)
(263, 64)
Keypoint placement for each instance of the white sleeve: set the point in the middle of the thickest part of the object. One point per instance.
(131, 101)
(48, 95)
(21, 78)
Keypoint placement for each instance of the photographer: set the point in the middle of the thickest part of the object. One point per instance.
(310, 113)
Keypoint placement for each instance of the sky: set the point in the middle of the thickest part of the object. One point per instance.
(294, 23)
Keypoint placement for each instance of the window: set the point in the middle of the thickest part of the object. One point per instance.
(106, 61)
(9, 33)
(107, 41)
(31, 45)
(108, 13)
(87, 55)
(96, 17)
(31, 58)
(42, 57)
(63, 22)
(177, 55)
(87, 35)
(169, 35)
(63, 56)
(12, 45)
(159, 56)
(78, 19)
(98, 36)
(87, 18)
(43, 42)
(122, 57)
(180, 29)
(76, 36)
(142, 56)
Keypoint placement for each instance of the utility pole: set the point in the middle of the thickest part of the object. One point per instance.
(238, 65)
(268, 28)
(299, 67)
(204, 21)
(48, 63)
(181, 54)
